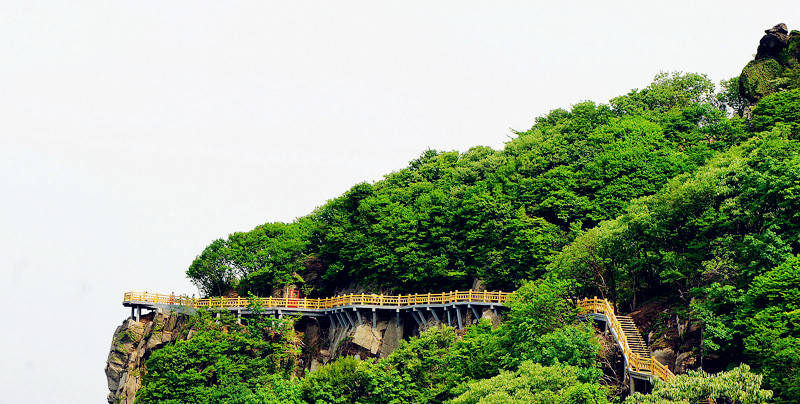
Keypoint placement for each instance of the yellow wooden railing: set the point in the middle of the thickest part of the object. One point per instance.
(322, 303)
(635, 361)
(594, 305)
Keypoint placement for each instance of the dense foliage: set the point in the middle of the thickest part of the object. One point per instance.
(223, 362)
(738, 385)
(228, 362)
(497, 215)
(672, 193)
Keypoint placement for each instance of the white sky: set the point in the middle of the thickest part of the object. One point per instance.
(134, 133)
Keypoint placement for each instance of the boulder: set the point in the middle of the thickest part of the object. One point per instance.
(367, 338)
(494, 318)
(685, 361)
(773, 43)
(665, 356)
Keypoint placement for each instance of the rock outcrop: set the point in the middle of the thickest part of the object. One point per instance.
(132, 344)
(773, 43)
(775, 66)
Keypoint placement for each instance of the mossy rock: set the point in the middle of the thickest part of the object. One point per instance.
(794, 45)
(758, 78)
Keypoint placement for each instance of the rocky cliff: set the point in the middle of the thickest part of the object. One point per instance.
(132, 343)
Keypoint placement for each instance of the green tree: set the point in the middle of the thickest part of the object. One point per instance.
(532, 383)
(738, 385)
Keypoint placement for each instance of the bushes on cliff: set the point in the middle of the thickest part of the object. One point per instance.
(222, 362)
(532, 383)
(738, 385)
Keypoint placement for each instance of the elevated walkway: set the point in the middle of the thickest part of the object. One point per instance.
(343, 311)
(450, 307)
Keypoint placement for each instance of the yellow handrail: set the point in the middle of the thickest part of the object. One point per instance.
(595, 305)
(322, 303)
(635, 361)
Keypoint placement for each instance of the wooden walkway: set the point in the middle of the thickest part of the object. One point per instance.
(352, 310)
(343, 311)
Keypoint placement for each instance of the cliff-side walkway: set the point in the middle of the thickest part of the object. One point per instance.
(349, 311)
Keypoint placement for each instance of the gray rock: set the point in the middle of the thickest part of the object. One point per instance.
(685, 361)
(494, 318)
(132, 341)
(391, 338)
(665, 356)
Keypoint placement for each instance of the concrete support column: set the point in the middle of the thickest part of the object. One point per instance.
(138, 313)
(133, 312)
(374, 319)
(458, 314)
(475, 312)
(433, 312)
(238, 317)
(358, 315)
(350, 319)
(416, 319)
(449, 319)
(422, 317)
(632, 383)
(397, 317)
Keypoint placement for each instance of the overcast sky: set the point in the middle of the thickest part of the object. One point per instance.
(134, 133)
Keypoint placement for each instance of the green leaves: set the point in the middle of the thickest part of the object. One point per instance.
(738, 385)
(532, 383)
(222, 362)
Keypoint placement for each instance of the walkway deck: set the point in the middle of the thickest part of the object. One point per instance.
(344, 311)
(348, 311)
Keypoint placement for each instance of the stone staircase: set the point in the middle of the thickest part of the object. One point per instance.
(635, 340)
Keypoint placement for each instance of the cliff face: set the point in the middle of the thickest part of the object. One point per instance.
(132, 343)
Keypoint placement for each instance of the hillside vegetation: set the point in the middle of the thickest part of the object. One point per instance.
(675, 193)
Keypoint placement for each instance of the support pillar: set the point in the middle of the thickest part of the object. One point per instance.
(133, 312)
(358, 314)
(449, 319)
(475, 312)
(350, 319)
(632, 383)
(416, 319)
(238, 317)
(374, 319)
(138, 313)
(397, 317)
(422, 317)
(433, 312)
(458, 314)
